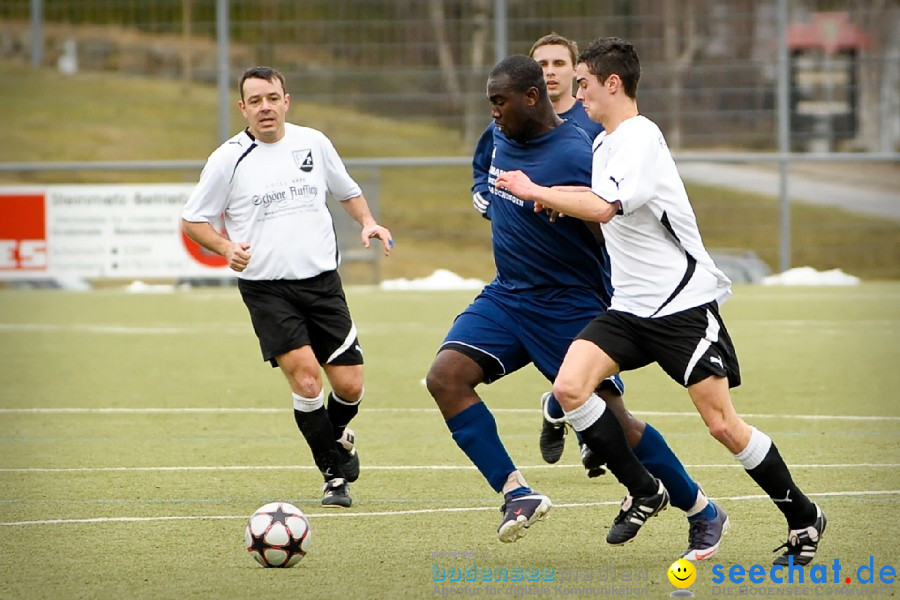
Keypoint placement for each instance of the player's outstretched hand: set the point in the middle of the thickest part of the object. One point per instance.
(382, 233)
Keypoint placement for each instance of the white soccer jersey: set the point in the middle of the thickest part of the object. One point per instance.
(273, 197)
(659, 263)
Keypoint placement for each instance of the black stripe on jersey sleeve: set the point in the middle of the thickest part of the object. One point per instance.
(244, 155)
(688, 272)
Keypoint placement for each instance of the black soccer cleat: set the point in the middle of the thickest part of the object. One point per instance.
(803, 543)
(553, 434)
(346, 447)
(521, 513)
(336, 493)
(634, 513)
(591, 462)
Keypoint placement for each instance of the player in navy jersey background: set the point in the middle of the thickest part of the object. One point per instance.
(547, 272)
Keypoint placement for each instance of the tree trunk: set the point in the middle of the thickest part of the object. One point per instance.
(680, 26)
(445, 54)
(476, 107)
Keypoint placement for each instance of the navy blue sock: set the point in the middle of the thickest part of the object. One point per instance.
(554, 409)
(520, 491)
(475, 432)
(655, 454)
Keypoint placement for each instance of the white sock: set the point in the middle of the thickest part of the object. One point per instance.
(701, 503)
(756, 450)
(587, 414)
(513, 482)
(307, 405)
(340, 400)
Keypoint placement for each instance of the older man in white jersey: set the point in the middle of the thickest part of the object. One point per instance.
(270, 181)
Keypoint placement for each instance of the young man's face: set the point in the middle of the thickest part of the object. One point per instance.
(592, 93)
(556, 61)
(510, 109)
(264, 105)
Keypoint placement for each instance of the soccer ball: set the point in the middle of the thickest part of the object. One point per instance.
(278, 535)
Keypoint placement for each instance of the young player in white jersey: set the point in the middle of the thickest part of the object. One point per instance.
(271, 181)
(667, 289)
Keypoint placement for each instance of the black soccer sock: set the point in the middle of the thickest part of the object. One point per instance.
(605, 436)
(341, 412)
(764, 464)
(317, 430)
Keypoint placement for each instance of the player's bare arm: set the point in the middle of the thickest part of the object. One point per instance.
(584, 204)
(236, 253)
(358, 209)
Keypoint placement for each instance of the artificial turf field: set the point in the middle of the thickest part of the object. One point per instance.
(140, 431)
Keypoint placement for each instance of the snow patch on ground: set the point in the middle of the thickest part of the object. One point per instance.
(809, 276)
(441, 279)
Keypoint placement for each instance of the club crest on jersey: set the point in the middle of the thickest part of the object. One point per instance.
(304, 160)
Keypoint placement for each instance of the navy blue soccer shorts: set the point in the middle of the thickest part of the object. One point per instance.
(504, 331)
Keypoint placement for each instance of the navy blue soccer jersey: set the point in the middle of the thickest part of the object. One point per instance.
(581, 118)
(533, 255)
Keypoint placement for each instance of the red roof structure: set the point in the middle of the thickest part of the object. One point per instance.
(828, 31)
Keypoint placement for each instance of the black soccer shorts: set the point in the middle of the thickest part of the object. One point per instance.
(290, 313)
(690, 345)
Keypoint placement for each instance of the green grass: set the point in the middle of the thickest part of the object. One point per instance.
(103, 117)
(152, 527)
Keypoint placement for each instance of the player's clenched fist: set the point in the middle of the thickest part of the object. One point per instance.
(238, 256)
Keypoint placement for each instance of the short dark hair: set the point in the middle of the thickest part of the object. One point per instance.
(523, 72)
(267, 73)
(611, 55)
(554, 39)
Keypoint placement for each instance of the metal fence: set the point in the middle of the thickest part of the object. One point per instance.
(710, 66)
(723, 78)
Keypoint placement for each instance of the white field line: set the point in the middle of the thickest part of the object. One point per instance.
(230, 328)
(529, 411)
(244, 327)
(122, 329)
(399, 513)
(734, 465)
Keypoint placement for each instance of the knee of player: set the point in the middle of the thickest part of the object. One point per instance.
(568, 394)
(305, 385)
(720, 429)
(438, 380)
(349, 391)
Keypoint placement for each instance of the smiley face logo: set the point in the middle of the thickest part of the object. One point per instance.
(682, 573)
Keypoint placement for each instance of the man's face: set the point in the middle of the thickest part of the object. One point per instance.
(592, 93)
(510, 109)
(264, 106)
(559, 71)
